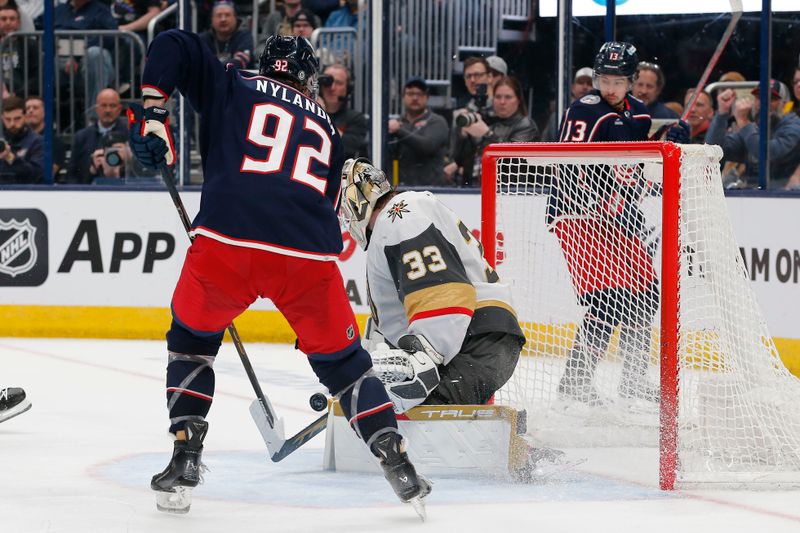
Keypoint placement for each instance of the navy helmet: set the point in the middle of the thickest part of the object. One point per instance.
(289, 58)
(616, 59)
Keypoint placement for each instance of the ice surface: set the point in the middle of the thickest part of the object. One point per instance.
(80, 461)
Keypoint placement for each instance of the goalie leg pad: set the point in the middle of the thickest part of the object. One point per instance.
(190, 388)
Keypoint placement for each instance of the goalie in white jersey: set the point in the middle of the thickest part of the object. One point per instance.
(432, 294)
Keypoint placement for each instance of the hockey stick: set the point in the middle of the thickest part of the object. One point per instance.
(736, 14)
(261, 410)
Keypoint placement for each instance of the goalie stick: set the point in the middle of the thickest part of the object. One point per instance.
(261, 410)
(736, 14)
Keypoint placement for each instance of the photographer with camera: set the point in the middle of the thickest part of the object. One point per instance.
(110, 160)
(334, 91)
(21, 152)
(459, 169)
(419, 138)
(81, 168)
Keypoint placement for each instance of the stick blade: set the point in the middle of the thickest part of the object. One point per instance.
(272, 435)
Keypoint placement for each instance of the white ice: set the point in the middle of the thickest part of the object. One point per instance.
(80, 461)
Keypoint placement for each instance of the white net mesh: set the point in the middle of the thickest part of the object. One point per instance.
(578, 237)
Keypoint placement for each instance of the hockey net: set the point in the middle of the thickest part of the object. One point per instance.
(727, 409)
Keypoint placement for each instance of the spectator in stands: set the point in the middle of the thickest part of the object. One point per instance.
(741, 144)
(21, 152)
(335, 88)
(497, 69)
(581, 85)
(25, 22)
(111, 159)
(80, 168)
(29, 10)
(279, 21)
(96, 64)
(510, 122)
(303, 24)
(323, 8)
(796, 91)
(647, 87)
(700, 118)
(34, 117)
(227, 39)
(419, 138)
(134, 15)
(12, 59)
(462, 146)
(344, 17)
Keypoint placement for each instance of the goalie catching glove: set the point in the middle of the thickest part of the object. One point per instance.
(409, 373)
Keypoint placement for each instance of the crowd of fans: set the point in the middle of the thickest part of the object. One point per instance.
(428, 147)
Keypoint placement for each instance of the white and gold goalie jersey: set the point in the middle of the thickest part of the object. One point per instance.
(426, 275)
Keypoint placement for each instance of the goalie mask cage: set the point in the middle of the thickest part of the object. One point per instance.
(728, 410)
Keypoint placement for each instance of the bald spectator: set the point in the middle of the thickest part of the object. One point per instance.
(279, 21)
(581, 85)
(227, 39)
(21, 152)
(647, 87)
(34, 117)
(700, 117)
(741, 143)
(108, 108)
(419, 138)
(303, 24)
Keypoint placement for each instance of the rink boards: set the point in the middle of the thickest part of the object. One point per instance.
(104, 264)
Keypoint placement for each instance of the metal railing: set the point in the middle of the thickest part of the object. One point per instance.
(79, 55)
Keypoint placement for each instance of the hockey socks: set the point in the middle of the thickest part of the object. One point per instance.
(190, 388)
(367, 407)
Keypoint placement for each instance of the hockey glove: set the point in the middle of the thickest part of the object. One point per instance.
(150, 139)
(409, 374)
(679, 133)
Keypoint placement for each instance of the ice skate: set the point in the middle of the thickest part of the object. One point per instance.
(543, 463)
(402, 476)
(13, 402)
(638, 388)
(174, 485)
(578, 387)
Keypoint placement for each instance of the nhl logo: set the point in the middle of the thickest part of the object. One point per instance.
(17, 247)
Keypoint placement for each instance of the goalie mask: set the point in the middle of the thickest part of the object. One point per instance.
(362, 186)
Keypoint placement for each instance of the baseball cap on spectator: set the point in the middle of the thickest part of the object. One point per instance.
(497, 64)
(417, 82)
(304, 15)
(223, 3)
(585, 72)
(777, 90)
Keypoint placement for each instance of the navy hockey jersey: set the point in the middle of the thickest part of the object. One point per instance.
(271, 157)
(592, 119)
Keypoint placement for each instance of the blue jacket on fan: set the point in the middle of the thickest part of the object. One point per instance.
(272, 158)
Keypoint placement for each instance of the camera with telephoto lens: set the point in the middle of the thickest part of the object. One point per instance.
(471, 117)
(325, 80)
(3, 145)
(111, 153)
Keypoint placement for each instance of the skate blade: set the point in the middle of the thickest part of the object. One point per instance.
(177, 502)
(419, 506)
(17, 410)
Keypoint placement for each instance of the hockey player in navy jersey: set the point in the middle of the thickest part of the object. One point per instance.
(602, 232)
(267, 227)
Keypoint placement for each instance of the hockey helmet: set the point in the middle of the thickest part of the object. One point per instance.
(616, 58)
(290, 58)
(362, 186)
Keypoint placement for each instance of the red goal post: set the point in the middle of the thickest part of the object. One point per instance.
(678, 184)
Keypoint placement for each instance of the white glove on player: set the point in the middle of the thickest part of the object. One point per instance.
(409, 374)
(155, 122)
